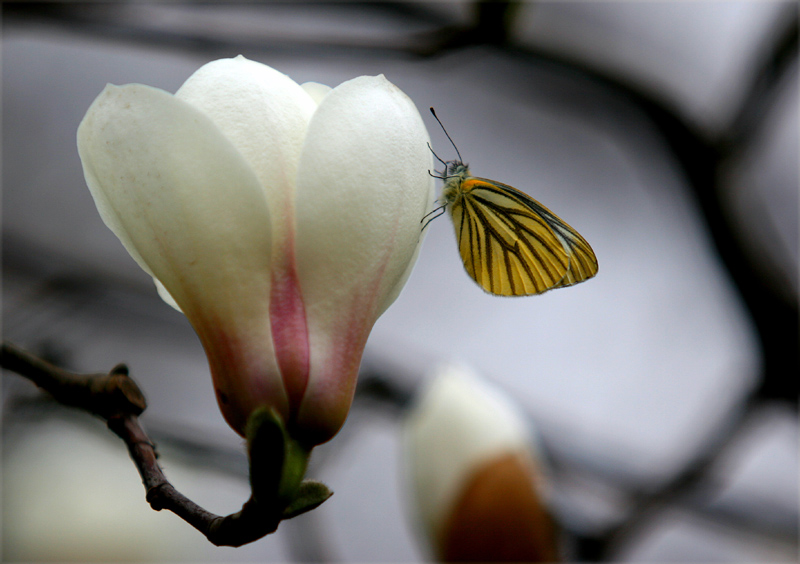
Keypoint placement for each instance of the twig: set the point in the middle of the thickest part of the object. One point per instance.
(116, 398)
(104, 395)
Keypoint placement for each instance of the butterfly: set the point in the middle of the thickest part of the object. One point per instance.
(511, 245)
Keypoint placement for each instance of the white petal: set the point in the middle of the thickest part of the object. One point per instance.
(165, 295)
(363, 186)
(316, 90)
(264, 113)
(181, 199)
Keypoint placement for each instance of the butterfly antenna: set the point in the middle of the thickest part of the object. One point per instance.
(438, 158)
(448, 136)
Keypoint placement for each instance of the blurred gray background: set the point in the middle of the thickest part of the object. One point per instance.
(665, 390)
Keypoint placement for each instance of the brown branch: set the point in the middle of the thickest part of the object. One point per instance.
(104, 395)
(116, 398)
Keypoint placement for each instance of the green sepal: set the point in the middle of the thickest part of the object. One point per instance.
(295, 464)
(266, 451)
(310, 494)
(277, 461)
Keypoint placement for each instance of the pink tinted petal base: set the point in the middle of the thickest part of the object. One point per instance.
(243, 381)
(290, 333)
(330, 392)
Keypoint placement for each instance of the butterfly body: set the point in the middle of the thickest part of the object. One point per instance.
(510, 244)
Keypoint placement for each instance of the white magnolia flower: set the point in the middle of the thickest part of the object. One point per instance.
(281, 219)
(474, 473)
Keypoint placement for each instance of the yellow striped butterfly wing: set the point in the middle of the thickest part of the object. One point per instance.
(510, 244)
(583, 262)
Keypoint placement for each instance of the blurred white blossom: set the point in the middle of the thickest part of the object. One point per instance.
(474, 473)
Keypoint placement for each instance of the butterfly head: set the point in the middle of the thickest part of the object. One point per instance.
(455, 170)
(455, 173)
